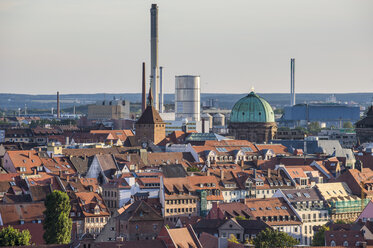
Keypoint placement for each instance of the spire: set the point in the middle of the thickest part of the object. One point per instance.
(150, 97)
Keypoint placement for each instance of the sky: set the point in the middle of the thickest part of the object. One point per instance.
(97, 46)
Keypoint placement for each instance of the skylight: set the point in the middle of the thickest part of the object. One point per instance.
(221, 149)
(246, 149)
(306, 195)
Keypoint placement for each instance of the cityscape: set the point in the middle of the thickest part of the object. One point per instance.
(183, 163)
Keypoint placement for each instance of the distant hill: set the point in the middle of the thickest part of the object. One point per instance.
(15, 101)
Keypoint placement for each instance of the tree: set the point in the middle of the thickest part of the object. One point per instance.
(343, 222)
(239, 217)
(14, 237)
(319, 236)
(57, 224)
(232, 238)
(314, 127)
(274, 238)
(348, 124)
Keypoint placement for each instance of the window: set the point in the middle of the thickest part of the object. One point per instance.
(332, 243)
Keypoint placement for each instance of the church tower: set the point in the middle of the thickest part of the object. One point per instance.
(150, 126)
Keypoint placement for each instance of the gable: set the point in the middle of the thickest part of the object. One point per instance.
(231, 224)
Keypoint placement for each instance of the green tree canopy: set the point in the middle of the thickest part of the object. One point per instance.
(273, 238)
(319, 236)
(14, 237)
(57, 224)
(314, 127)
(348, 124)
(233, 239)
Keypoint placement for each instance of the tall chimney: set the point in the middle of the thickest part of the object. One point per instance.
(143, 96)
(154, 78)
(160, 90)
(58, 104)
(292, 82)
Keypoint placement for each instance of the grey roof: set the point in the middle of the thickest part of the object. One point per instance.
(204, 137)
(173, 170)
(329, 147)
(302, 195)
(108, 164)
(253, 226)
(209, 226)
(81, 163)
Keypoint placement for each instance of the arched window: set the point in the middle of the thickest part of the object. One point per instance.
(345, 244)
(332, 243)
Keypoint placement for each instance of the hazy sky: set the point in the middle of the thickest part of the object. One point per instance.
(91, 46)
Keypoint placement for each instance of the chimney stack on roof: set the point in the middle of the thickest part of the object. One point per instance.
(58, 105)
(154, 74)
(292, 82)
(143, 96)
(269, 172)
(221, 174)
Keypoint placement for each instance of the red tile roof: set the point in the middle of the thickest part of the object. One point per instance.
(28, 159)
(11, 214)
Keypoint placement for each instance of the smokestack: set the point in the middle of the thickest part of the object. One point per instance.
(160, 90)
(292, 82)
(143, 97)
(58, 104)
(154, 78)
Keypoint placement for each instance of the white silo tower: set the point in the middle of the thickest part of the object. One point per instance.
(207, 117)
(187, 97)
(219, 119)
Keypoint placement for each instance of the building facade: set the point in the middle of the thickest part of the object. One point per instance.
(105, 110)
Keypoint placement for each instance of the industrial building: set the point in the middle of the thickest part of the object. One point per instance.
(105, 110)
(326, 114)
(364, 127)
(187, 97)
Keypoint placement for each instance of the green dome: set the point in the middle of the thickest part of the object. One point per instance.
(252, 108)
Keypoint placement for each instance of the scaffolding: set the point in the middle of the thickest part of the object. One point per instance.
(346, 204)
